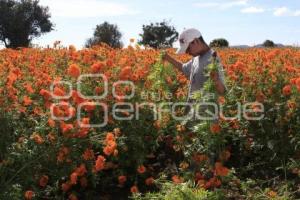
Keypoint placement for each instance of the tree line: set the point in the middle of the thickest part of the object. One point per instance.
(23, 20)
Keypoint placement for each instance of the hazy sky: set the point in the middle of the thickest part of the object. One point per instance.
(239, 21)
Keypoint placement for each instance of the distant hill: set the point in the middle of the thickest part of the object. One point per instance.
(255, 46)
(261, 45)
(240, 46)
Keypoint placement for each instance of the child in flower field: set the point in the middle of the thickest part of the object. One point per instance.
(192, 43)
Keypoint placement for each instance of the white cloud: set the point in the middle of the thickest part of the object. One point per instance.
(253, 10)
(237, 3)
(284, 11)
(246, 7)
(297, 13)
(86, 8)
(225, 4)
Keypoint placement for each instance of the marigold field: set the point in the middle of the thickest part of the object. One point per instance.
(46, 153)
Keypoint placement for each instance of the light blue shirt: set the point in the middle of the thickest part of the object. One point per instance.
(194, 71)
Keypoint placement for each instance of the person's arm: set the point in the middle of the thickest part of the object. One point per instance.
(220, 87)
(183, 67)
(173, 61)
(219, 78)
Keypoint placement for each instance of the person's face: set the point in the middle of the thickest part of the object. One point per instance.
(195, 48)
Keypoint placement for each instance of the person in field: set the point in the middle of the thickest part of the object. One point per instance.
(192, 43)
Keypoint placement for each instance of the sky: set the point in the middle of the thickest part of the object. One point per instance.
(241, 22)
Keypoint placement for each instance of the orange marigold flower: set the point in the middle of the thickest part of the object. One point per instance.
(215, 128)
(73, 197)
(57, 111)
(90, 106)
(108, 150)
(293, 81)
(73, 178)
(66, 127)
(111, 143)
(199, 157)
(98, 90)
(76, 97)
(28, 88)
(37, 111)
(58, 92)
(88, 154)
(70, 112)
(100, 163)
(149, 181)
(122, 179)
(157, 124)
(183, 165)
(109, 137)
(109, 63)
(260, 97)
(212, 182)
(198, 176)
(66, 186)
(201, 183)
(220, 170)
(81, 170)
(45, 93)
(221, 100)
(37, 138)
(272, 194)
(27, 101)
(74, 70)
(29, 194)
(65, 150)
(51, 122)
(125, 73)
(177, 179)
(287, 90)
(141, 169)
(217, 182)
(298, 82)
(96, 67)
(51, 137)
(43, 181)
(134, 189)
(180, 128)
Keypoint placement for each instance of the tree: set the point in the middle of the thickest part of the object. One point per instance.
(220, 42)
(106, 33)
(22, 21)
(158, 35)
(269, 43)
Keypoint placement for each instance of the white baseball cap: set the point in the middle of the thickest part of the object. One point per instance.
(186, 37)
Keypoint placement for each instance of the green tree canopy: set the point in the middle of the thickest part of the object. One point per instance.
(21, 21)
(220, 42)
(269, 43)
(106, 33)
(158, 35)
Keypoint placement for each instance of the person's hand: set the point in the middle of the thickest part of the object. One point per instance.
(214, 76)
(165, 56)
